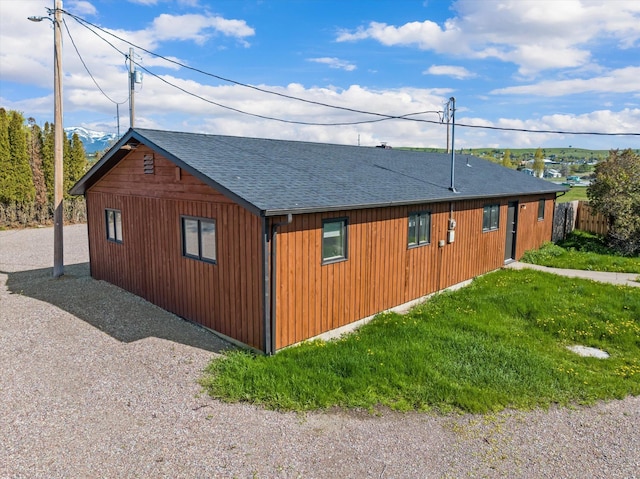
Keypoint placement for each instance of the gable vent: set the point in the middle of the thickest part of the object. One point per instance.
(148, 164)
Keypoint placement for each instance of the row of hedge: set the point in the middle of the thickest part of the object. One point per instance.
(31, 214)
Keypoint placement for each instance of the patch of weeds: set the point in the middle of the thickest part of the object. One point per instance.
(498, 343)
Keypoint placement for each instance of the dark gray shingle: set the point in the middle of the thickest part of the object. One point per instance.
(275, 176)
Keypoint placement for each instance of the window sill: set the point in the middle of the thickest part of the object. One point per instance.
(333, 260)
(202, 260)
(419, 245)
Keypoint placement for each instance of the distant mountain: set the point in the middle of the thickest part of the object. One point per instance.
(92, 140)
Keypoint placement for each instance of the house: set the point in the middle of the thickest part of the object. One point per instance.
(271, 242)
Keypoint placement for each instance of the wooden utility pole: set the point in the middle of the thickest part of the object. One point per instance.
(58, 149)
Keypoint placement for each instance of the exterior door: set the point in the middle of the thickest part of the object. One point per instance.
(512, 227)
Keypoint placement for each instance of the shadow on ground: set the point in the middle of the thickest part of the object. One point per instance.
(118, 313)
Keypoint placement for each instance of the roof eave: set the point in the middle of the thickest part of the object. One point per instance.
(461, 197)
(113, 155)
(119, 151)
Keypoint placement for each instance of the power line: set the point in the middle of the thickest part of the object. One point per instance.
(266, 117)
(407, 117)
(87, 68)
(558, 132)
(245, 85)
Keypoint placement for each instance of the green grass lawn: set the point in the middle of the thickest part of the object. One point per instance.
(575, 193)
(582, 250)
(498, 343)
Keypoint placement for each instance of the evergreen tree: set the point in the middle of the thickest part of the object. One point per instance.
(75, 163)
(35, 157)
(538, 163)
(21, 185)
(5, 157)
(47, 159)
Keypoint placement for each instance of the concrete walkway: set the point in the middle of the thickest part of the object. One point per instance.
(627, 279)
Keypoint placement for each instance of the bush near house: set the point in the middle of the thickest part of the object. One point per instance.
(24, 215)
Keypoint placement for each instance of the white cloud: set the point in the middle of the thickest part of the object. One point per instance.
(623, 80)
(535, 35)
(603, 121)
(26, 58)
(460, 73)
(81, 7)
(336, 63)
(198, 28)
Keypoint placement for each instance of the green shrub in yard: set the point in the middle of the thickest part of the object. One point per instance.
(546, 252)
(586, 242)
(500, 342)
(582, 250)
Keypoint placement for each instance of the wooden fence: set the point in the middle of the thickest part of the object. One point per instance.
(577, 215)
(589, 220)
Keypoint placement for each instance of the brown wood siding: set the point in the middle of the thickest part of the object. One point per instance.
(226, 296)
(381, 270)
(532, 233)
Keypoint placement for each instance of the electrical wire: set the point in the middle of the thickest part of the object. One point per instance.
(408, 117)
(384, 117)
(556, 132)
(245, 85)
(266, 117)
(87, 68)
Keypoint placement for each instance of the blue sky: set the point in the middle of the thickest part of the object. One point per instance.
(562, 65)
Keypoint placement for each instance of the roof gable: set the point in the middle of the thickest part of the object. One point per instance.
(279, 176)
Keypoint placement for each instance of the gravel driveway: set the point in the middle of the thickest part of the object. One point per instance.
(98, 383)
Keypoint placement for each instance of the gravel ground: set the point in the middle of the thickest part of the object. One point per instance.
(97, 383)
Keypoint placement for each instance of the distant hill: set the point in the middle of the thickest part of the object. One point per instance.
(560, 154)
(92, 140)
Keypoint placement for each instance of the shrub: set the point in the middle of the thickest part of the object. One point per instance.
(29, 214)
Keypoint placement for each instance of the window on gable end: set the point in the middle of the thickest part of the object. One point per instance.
(199, 239)
(113, 219)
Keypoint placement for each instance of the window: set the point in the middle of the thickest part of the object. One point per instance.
(540, 210)
(334, 240)
(199, 238)
(419, 228)
(490, 217)
(114, 225)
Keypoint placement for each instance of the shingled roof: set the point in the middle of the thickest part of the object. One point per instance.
(273, 177)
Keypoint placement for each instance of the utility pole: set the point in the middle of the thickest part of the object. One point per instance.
(58, 149)
(58, 138)
(453, 150)
(447, 117)
(132, 108)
